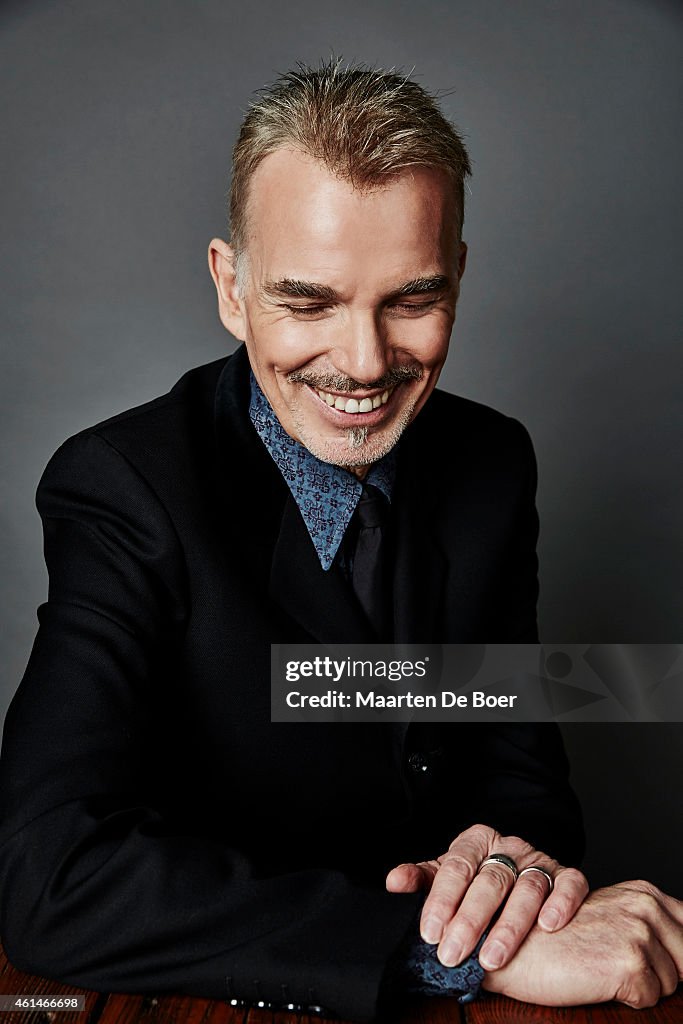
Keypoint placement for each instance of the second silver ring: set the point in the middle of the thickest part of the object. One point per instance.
(543, 872)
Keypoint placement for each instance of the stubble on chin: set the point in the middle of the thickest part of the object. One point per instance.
(357, 446)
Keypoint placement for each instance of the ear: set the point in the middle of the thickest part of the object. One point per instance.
(222, 268)
(462, 259)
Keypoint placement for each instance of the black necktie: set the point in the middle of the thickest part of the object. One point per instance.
(368, 576)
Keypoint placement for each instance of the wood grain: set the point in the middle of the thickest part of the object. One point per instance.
(499, 1010)
(431, 1011)
(135, 1009)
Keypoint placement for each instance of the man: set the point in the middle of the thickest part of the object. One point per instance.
(159, 832)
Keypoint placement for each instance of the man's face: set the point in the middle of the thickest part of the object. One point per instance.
(348, 301)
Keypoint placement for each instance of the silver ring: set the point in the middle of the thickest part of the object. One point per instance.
(543, 872)
(501, 858)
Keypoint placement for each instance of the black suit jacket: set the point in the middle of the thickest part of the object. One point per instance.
(158, 831)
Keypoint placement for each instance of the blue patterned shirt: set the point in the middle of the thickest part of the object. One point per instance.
(326, 495)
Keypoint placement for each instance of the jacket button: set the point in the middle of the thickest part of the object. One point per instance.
(420, 764)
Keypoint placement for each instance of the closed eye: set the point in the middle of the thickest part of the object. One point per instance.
(403, 307)
(414, 307)
(306, 310)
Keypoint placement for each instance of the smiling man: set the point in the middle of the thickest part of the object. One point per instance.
(159, 833)
(348, 300)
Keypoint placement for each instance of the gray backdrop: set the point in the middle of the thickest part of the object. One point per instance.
(118, 126)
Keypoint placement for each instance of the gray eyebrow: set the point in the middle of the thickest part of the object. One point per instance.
(289, 288)
(436, 283)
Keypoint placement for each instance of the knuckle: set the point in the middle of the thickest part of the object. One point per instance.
(437, 905)
(498, 879)
(559, 902)
(436, 911)
(508, 933)
(463, 928)
(573, 877)
(514, 839)
(457, 868)
(482, 832)
(647, 904)
(518, 846)
(646, 888)
(535, 884)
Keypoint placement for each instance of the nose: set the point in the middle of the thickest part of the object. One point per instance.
(363, 351)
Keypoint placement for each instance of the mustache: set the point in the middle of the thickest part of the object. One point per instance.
(338, 382)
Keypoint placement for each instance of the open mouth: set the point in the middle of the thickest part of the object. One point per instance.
(353, 405)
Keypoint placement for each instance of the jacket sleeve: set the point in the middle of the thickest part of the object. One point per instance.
(99, 887)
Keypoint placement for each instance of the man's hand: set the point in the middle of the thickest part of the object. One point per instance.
(461, 903)
(625, 943)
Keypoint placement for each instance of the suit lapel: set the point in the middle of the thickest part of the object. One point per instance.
(419, 564)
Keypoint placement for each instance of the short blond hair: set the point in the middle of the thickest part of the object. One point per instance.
(365, 125)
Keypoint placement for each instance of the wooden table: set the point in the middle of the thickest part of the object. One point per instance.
(102, 1008)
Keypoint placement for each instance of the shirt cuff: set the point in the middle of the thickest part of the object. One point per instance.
(415, 969)
(425, 974)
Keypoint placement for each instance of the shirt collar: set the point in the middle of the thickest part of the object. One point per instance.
(326, 495)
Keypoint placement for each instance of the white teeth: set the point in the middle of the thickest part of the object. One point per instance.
(353, 405)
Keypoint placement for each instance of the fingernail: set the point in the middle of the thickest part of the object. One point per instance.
(493, 957)
(450, 954)
(431, 929)
(550, 919)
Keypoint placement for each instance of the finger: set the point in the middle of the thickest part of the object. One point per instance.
(515, 922)
(456, 870)
(663, 913)
(641, 989)
(649, 976)
(670, 932)
(569, 892)
(406, 879)
(667, 972)
(483, 898)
